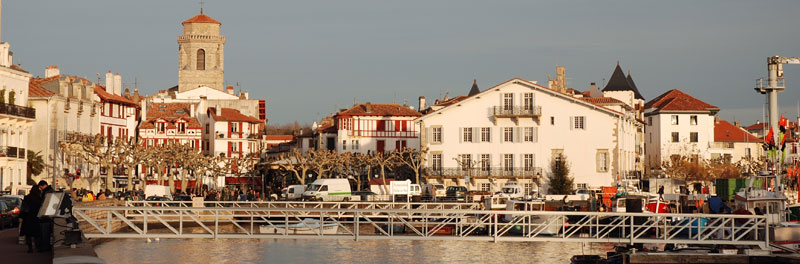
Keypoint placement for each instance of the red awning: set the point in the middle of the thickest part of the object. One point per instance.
(243, 180)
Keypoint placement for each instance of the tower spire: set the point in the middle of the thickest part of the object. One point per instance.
(201, 6)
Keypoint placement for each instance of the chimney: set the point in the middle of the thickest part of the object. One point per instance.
(191, 110)
(244, 95)
(737, 124)
(127, 93)
(51, 71)
(368, 107)
(593, 86)
(218, 110)
(203, 106)
(135, 97)
(422, 103)
(109, 82)
(118, 84)
(144, 111)
(716, 119)
(230, 89)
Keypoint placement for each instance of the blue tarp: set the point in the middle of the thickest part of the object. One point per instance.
(717, 206)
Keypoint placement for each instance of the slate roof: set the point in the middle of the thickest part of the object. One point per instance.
(106, 96)
(474, 90)
(675, 100)
(724, 131)
(34, 90)
(619, 82)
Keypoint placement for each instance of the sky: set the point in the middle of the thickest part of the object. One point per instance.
(309, 58)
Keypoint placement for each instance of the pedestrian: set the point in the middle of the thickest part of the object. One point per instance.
(45, 222)
(30, 223)
(661, 192)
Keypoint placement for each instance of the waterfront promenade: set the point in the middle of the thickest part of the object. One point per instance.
(12, 251)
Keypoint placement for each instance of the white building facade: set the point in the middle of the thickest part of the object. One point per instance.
(16, 120)
(512, 132)
(678, 125)
(372, 128)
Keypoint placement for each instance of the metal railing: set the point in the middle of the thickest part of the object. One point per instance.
(491, 172)
(516, 111)
(364, 221)
(15, 110)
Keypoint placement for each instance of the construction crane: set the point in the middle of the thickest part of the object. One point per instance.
(775, 84)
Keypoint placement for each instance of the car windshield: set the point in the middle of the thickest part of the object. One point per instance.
(314, 187)
(509, 190)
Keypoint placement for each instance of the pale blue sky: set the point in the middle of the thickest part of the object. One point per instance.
(306, 58)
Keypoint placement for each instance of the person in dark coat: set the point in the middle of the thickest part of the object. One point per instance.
(30, 222)
(45, 222)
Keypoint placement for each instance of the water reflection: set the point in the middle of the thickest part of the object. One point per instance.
(339, 251)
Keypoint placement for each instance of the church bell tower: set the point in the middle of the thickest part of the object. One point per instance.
(201, 56)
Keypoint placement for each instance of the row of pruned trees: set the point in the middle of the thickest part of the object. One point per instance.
(330, 164)
(169, 162)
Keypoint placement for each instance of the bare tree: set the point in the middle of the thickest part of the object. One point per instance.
(132, 153)
(354, 164)
(296, 162)
(414, 159)
(323, 161)
(385, 161)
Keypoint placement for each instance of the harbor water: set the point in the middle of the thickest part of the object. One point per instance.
(339, 251)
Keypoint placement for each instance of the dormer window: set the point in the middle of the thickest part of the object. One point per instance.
(181, 127)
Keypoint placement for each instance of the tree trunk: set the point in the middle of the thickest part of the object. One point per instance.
(109, 178)
(416, 172)
(130, 179)
(171, 179)
(185, 182)
(383, 178)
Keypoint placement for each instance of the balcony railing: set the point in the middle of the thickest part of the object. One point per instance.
(516, 111)
(15, 110)
(482, 173)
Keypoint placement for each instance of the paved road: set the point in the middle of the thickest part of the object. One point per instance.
(16, 253)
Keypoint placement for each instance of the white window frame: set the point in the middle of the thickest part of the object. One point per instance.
(508, 134)
(528, 162)
(486, 162)
(466, 133)
(486, 134)
(579, 122)
(436, 134)
(528, 134)
(508, 101)
(674, 120)
(436, 161)
(602, 160)
(508, 162)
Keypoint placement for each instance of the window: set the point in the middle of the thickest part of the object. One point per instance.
(485, 162)
(650, 121)
(181, 127)
(235, 147)
(201, 59)
(508, 162)
(436, 135)
(150, 142)
(192, 143)
(486, 187)
(465, 161)
(508, 134)
(675, 137)
(553, 120)
(344, 144)
(579, 122)
(508, 101)
(693, 137)
(355, 144)
(486, 134)
(794, 148)
(692, 120)
(467, 134)
(162, 127)
(206, 129)
(528, 188)
(528, 132)
(234, 127)
(602, 160)
(580, 186)
(527, 99)
(674, 119)
(747, 152)
(436, 162)
(527, 162)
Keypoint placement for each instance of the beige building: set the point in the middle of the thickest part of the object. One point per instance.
(15, 123)
(201, 54)
(65, 106)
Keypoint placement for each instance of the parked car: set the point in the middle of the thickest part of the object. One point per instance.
(458, 193)
(15, 203)
(6, 217)
(160, 200)
(182, 198)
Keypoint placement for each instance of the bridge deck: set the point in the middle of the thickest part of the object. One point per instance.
(411, 221)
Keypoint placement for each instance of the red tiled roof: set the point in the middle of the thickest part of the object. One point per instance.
(675, 100)
(106, 96)
(170, 112)
(602, 101)
(18, 68)
(757, 126)
(727, 132)
(34, 90)
(379, 110)
(229, 114)
(281, 137)
(201, 18)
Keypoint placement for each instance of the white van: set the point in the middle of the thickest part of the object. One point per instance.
(415, 190)
(328, 190)
(295, 192)
(157, 190)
